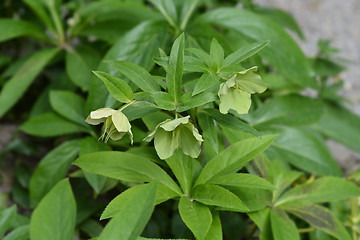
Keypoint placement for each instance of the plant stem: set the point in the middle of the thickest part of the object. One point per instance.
(128, 104)
(305, 230)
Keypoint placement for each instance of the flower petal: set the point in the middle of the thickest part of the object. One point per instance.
(94, 121)
(101, 113)
(165, 144)
(172, 124)
(235, 99)
(249, 81)
(189, 144)
(120, 121)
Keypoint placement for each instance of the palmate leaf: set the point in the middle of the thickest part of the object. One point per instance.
(282, 51)
(242, 180)
(125, 166)
(142, 44)
(234, 157)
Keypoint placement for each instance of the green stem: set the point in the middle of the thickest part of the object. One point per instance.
(57, 22)
(128, 104)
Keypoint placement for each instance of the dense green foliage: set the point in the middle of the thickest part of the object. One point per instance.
(205, 126)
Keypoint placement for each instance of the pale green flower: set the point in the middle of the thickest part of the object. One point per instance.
(170, 135)
(116, 124)
(236, 92)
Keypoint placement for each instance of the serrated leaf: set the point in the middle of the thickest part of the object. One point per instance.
(216, 55)
(196, 216)
(243, 53)
(182, 167)
(206, 81)
(208, 127)
(15, 87)
(168, 10)
(234, 157)
(50, 125)
(139, 110)
(54, 218)
(187, 102)
(164, 101)
(214, 195)
(117, 87)
(242, 180)
(51, 169)
(125, 166)
(69, 105)
(137, 75)
(320, 191)
(136, 51)
(137, 209)
(175, 69)
(282, 51)
(230, 121)
(215, 231)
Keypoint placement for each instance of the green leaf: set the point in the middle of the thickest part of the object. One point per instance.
(142, 44)
(168, 10)
(282, 18)
(282, 226)
(254, 198)
(304, 149)
(282, 180)
(14, 88)
(175, 68)
(126, 167)
(54, 218)
(282, 52)
(89, 145)
(182, 167)
(187, 102)
(79, 64)
(242, 180)
(196, 216)
(38, 8)
(137, 75)
(216, 55)
(69, 105)
(50, 125)
(215, 231)
(214, 195)
(20, 233)
(11, 28)
(188, 8)
(206, 81)
(290, 110)
(139, 110)
(115, 206)
(341, 125)
(243, 53)
(263, 222)
(208, 127)
(234, 157)
(231, 121)
(117, 87)
(138, 209)
(6, 218)
(164, 101)
(319, 217)
(51, 169)
(324, 189)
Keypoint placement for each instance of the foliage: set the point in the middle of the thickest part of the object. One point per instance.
(205, 121)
